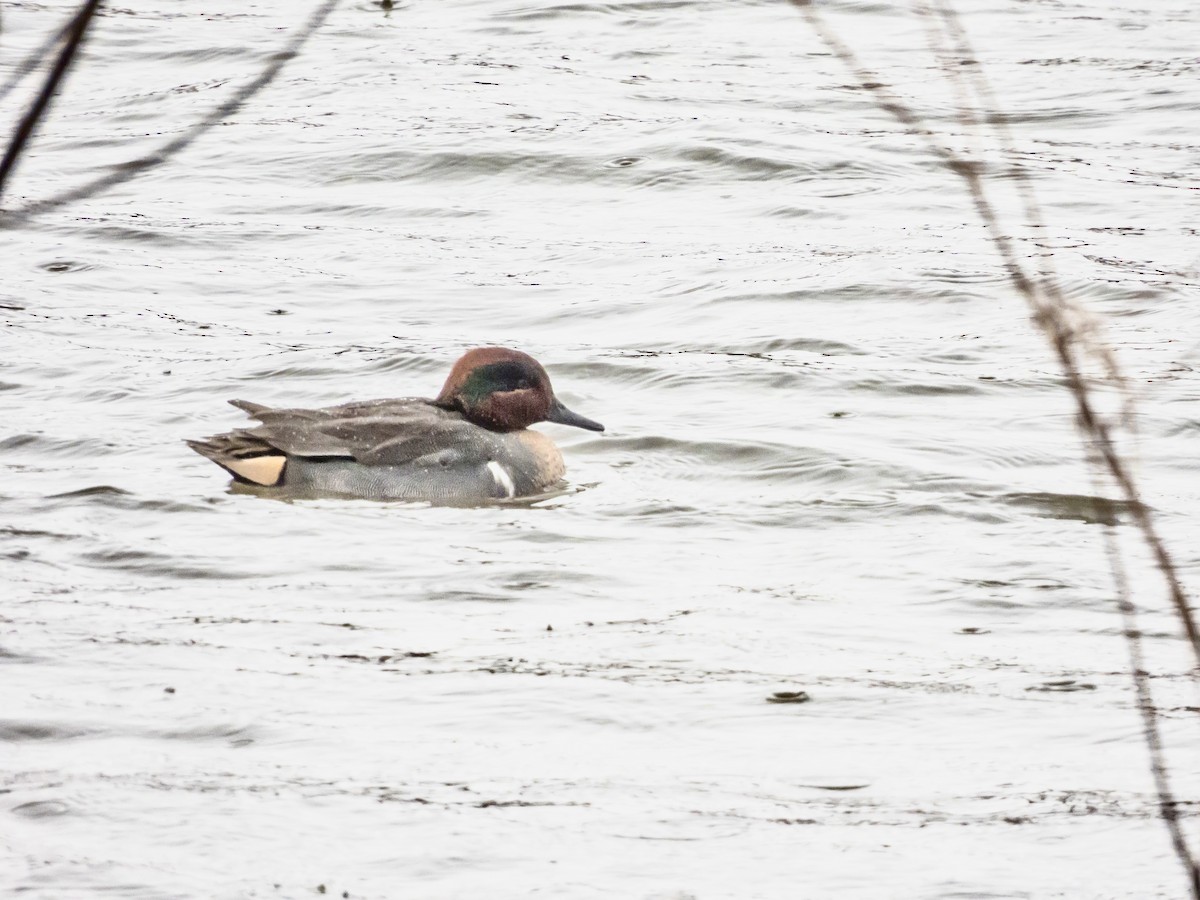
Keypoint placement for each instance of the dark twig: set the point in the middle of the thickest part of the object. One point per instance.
(125, 171)
(1051, 316)
(986, 98)
(33, 116)
(1055, 305)
(37, 56)
(1168, 807)
(1070, 331)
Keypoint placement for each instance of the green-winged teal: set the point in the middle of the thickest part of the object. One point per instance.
(469, 445)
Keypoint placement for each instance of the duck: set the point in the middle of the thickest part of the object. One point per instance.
(469, 445)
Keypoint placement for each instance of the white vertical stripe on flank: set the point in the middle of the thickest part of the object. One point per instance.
(503, 479)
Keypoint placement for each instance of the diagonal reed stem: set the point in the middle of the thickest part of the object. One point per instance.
(75, 31)
(1168, 806)
(37, 56)
(134, 167)
(1048, 314)
(1052, 312)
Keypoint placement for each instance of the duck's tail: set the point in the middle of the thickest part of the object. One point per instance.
(247, 458)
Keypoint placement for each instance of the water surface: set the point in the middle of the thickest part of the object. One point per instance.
(839, 460)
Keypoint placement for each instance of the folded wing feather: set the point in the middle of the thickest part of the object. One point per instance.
(379, 433)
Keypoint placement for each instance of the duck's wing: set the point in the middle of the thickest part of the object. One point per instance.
(374, 433)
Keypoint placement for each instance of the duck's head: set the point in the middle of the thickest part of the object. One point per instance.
(505, 390)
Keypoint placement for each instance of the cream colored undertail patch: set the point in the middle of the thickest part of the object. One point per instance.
(264, 470)
(502, 478)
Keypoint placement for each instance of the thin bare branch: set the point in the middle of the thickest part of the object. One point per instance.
(33, 116)
(128, 170)
(38, 55)
(1168, 806)
(1071, 331)
(962, 65)
(1061, 330)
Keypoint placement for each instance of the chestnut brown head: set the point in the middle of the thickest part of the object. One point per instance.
(505, 390)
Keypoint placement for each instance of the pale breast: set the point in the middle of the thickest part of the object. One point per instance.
(547, 461)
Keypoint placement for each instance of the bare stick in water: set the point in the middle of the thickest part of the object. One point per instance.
(33, 116)
(1071, 332)
(971, 118)
(37, 56)
(1050, 315)
(125, 171)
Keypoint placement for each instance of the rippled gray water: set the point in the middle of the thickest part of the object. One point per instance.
(839, 460)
